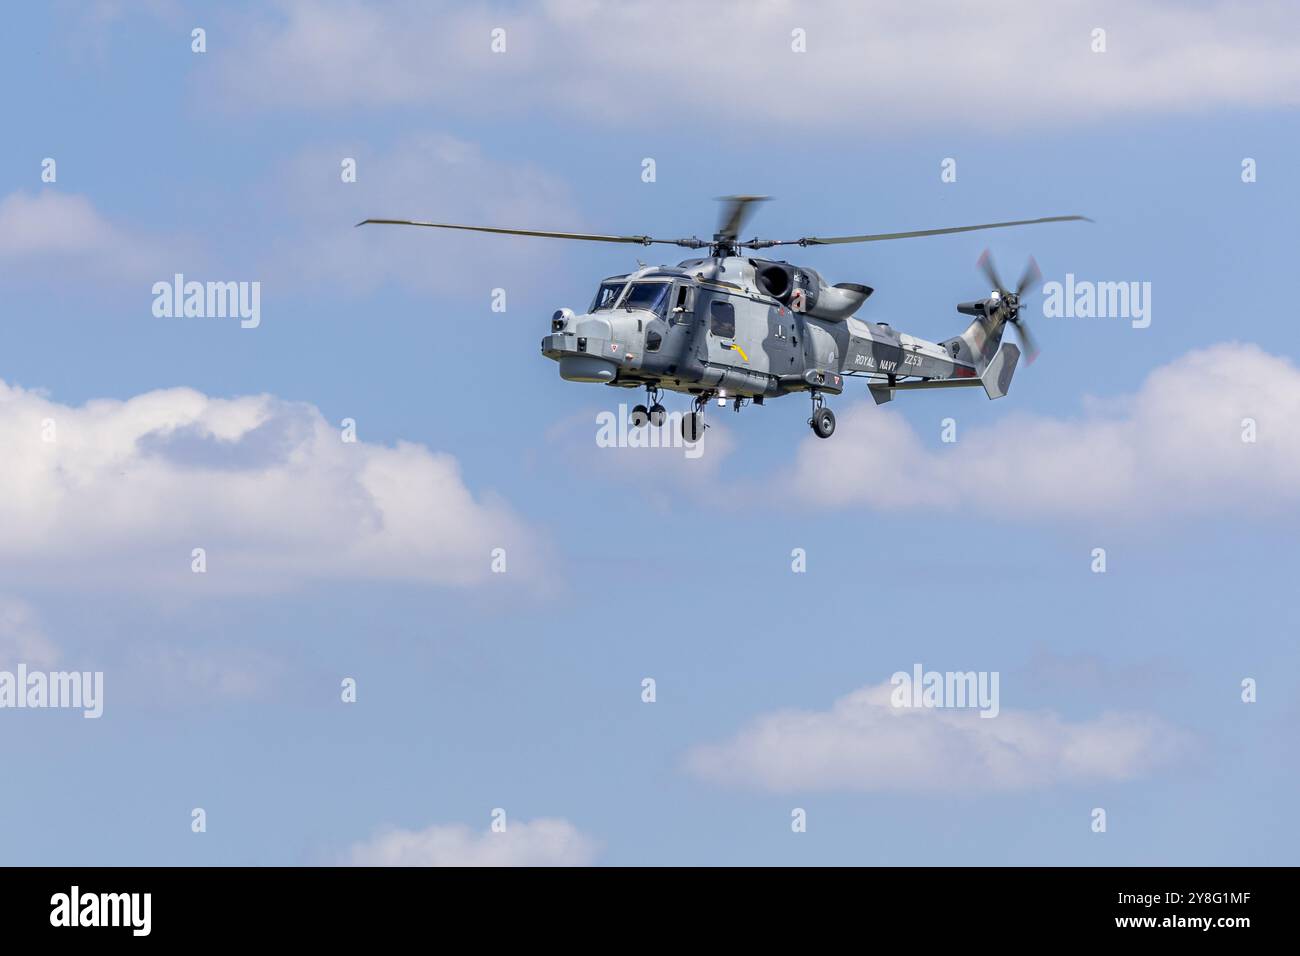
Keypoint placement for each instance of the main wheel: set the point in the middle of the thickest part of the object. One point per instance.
(692, 427)
(658, 414)
(639, 417)
(823, 423)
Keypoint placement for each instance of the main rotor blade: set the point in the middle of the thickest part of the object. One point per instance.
(691, 243)
(735, 212)
(831, 240)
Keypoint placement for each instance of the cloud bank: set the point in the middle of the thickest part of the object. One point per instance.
(542, 842)
(866, 65)
(431, 176)
(864, 744)
(1175, 447)
(64, 234)
(124, 491)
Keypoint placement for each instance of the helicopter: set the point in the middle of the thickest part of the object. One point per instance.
(733, 327)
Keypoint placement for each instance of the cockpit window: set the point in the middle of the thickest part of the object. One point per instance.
(605, 296)
(651, 296)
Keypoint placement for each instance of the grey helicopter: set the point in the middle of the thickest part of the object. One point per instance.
(736, 328)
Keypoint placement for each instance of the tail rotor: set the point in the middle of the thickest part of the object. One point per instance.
(1004, 305)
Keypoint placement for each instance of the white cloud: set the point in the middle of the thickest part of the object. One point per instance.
(1175, 447)
(428, 176)
(127, 489)
(864, 744)
(542, 842)
(22, 641)
(63, 233)
(54, 235)
(868, 64)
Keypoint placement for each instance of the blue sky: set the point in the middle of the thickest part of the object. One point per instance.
(522, 690)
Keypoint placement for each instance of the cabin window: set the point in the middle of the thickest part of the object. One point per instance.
(722, 319)
(683, 304)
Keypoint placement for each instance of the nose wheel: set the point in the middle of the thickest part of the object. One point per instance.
(823, 419)
(655, 415)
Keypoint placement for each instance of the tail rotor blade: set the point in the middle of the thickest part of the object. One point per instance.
(1027, 342)
(990, 271)
(1006, 305)
(1031, 276)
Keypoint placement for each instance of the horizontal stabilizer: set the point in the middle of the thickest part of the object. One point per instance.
(885, 393)
(997, 376)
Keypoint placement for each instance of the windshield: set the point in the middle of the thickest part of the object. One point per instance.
(605, 296)
(651, 296)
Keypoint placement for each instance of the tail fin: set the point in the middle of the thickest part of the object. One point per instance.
(981, 346)
(978, 345)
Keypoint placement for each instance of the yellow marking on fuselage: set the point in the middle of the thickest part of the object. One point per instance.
(733, 345)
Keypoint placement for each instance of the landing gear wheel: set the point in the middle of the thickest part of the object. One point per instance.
(658, 414)
(692, 427)
(639, 417)
(823, 423)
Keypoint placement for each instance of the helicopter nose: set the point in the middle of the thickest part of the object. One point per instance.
(586, 349)
(591, 327)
